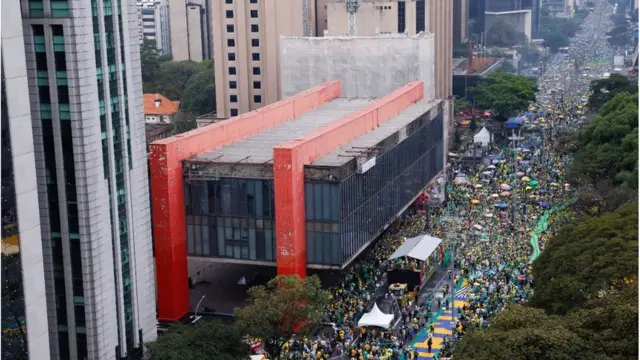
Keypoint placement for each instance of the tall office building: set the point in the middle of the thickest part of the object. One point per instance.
(25, 334)
(460, 21)
(153, 17)
(190, 29)
(245, 45)
(85, 103)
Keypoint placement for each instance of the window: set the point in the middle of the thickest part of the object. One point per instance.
(257, 99)
(254, 13)
(234, 112)
(233, 85)
(229, 28)
(232, 70)
(229, 1)
(257, 85)
(231, 56)
(255, 56)
(229, 14)
(231, 43)
(233, 98)
(255, 42)
(256, 71)
(401, 16)
(254, 27)
(253, 1)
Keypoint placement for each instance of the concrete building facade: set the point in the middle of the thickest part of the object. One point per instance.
(412, 16)
(367, 67)
(25, 328)
(190, 24)
(245, 46)
(82, 62)
(460, 21)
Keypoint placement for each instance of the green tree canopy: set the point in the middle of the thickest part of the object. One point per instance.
(504, 94)
(603, 90)
(285, 306)
(522, 333)
(203, 341)
(200, 93)
(586, 257)
(608, 146)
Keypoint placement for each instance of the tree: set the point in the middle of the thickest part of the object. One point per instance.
(203, 341)
(504, 94)
(603, 90)
(461, 104)
(504, 34)
(200, 93)
(555, 41)
(522, 333)
(150, 63)
(173, 77)
(586, 257)
(183, 121)
(285, 306)
(608, 146)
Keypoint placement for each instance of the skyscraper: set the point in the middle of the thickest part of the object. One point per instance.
(85, 92)
(24, 305)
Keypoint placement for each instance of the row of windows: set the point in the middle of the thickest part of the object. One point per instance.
(253, 14)
(256, 99)
(233, 70)
(230, 28)
(59, 9)
(254, 43)
(234, 85)
(232, 56)
(250, 1)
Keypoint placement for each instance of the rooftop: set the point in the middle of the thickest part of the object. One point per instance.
(164, 106)
(258, 148)
(345, 153)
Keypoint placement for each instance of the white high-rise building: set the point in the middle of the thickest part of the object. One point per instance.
(153, 17)
(84, 84)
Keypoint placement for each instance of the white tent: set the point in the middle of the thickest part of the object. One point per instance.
(483, 137)
(419, 247)
(376, 317)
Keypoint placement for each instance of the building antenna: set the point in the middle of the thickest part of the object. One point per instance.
(352, 9)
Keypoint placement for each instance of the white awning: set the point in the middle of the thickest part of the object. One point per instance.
(419, 247)
(376, 317)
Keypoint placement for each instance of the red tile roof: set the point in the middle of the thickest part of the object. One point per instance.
(166, 106)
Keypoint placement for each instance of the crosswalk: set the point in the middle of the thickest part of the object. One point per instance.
(463, 291)
(444, 324)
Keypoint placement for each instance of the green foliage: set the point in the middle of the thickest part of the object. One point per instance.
(608, 146)
(183, 121)
(461, 104)
(503, 34)
(603, 90)
(200, 93)
(203, 341)
(504, 94)
(190, 82)
(276, 311)
(522, 333)
(556, 31)
(586, 257)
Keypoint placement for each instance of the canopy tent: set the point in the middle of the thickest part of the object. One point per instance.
(419, 247)
(483, 137)
(514, 122)
(376, 317)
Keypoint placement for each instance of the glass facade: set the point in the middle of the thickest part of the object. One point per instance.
(231, 218)
(14, 335)
(371, 200)
(402, 25)
(420, 16)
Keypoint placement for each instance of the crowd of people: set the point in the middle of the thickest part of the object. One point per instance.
(500, 213)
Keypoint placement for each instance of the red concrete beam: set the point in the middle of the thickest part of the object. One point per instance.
(290, 157)
(167, 187)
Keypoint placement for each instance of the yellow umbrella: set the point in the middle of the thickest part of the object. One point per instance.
(475, 201)
(528, 188)
(554, 184)
(525, 178)
(541, 119)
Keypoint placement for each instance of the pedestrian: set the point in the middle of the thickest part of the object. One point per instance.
(429, 343)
